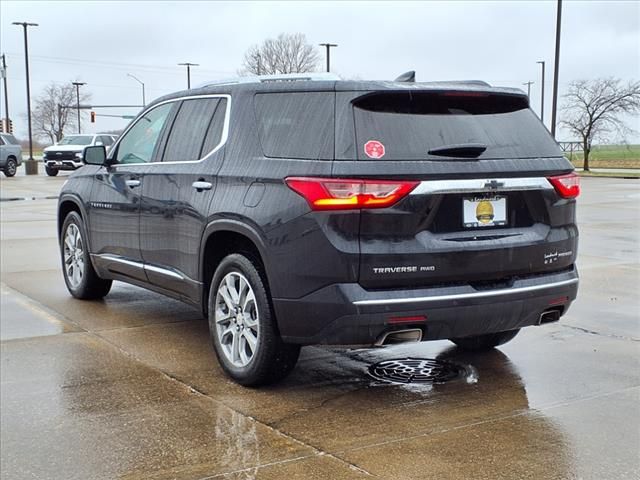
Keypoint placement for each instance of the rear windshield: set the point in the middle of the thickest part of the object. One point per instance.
(406, 125)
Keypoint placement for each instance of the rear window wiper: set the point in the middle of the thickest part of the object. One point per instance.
(464, 150)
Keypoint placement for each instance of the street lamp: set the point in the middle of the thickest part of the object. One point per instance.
(31, 167)
(78, 85)
(328, 46)
(541, 62)
(144, 103)
(189, 65)
(556, 70)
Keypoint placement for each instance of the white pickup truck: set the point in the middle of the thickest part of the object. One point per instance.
(67, 153)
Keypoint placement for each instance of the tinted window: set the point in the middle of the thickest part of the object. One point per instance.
(139, 142)
(189, 129)
(10, 139)
(106, 140)
(77, 140)
(214, 132)
(296, 125)
(409, 124)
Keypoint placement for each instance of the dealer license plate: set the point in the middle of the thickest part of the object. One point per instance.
(484, 212)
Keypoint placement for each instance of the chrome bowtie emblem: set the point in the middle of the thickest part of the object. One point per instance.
(493, 184)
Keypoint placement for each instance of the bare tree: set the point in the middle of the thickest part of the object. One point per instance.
(49, 121)
(593, 109)
(289, 53)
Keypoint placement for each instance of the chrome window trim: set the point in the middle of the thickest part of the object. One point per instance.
(481, 185)
(223, 139)
(464, 296)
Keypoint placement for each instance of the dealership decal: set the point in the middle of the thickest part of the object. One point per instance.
(553, 257)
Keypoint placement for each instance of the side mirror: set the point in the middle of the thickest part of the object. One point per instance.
(95, 155)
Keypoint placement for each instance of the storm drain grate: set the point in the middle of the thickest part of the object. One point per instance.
(414, 370)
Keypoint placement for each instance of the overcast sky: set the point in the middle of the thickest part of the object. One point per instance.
(100, 42)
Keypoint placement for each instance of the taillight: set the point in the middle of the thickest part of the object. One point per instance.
(567, 186)
(342, 194)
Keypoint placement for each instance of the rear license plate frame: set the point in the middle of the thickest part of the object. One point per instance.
(483, 211)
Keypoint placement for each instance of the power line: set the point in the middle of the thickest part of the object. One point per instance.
(120, 65)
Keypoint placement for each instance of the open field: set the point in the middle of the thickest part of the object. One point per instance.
(611, 156)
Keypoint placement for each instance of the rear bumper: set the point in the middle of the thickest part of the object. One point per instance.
(347, 314)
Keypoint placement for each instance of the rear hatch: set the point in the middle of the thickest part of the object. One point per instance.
(483, 209)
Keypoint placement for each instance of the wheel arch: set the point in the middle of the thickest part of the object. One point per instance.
(66, 204)
(225, 236)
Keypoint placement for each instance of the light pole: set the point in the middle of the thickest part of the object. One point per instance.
(556, 68)
(541, 62)
(6, 94)
(31, 167)
(328, 46)
(528, 84)
(189, 65)
(144, 103)
(78, 85)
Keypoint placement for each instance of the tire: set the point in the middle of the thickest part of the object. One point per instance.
(485, 342)
(240, 315)
(52, 172)
(11, 167)
(79, 275)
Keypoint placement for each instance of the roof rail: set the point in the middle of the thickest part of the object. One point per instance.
(480, 83)
(289, 77)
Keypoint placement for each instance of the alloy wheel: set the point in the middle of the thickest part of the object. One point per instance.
(237, 319)
(73, 255)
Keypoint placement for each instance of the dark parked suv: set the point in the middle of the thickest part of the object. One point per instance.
(299, 211)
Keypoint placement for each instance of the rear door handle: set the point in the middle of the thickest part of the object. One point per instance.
(201, 185)
(132, 183)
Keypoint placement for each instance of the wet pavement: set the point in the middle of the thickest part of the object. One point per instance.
(128, 387)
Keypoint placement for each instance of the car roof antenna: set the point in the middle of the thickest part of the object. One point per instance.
(409, 76)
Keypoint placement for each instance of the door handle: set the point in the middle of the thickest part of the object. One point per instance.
(202, 185)
(132, 183)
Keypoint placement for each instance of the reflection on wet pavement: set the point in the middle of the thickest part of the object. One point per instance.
(129, 388)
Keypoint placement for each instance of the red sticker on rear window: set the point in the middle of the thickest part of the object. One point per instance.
(374, 149)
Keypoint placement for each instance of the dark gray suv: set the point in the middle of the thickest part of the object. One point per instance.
(296, 211)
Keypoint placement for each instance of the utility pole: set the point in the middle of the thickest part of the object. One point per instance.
(189, 65)
(6, 94)
(259, 64)
(31, 167)
(78, 85)
(556, 69)
(528, 84)
(144, 102)
(541, 62)
(328, 47)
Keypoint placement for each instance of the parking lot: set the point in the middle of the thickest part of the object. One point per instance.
(129, 388)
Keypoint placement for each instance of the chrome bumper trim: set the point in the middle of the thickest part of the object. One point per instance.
(466, 296)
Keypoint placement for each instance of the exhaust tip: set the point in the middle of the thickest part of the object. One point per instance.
(549, 316)
(394, 337)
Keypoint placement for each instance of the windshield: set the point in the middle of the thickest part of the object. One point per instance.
(424, 126)
(76, 140)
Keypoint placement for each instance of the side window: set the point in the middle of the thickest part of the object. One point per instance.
(138, 145)
(106, 140)
(188, 132)
(214, 132)
(296, 125)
